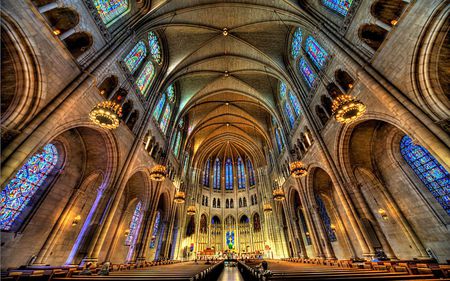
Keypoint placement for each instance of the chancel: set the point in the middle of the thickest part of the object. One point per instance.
(225, 140)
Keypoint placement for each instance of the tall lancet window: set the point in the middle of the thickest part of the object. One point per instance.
(155, 49)
(340, 6)
(135, 56)
(306, 71)
(159, 107)
(134, 225)
(279, 140)
(177, 145)
(241, 174)
(296, 45)
(434, 176)
(145, 79)
(217, 168)
(317, 54)
(295, 103)
(206, 172)
(22, 187)
(325, 218)
(110, 10)
(289, 114)
(155, 229)
(229, 174)
(165, 119)
(251, 173)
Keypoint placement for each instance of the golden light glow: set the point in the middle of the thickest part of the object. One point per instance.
(180, 197)
(191, 211)
(383, 213)
(106, 114)
(394, 22)
(127, 232)
(278, 194)
(158, 173)
(56, 32)
(76, 220)
(297, 169)
(346, 108)
(267, 208)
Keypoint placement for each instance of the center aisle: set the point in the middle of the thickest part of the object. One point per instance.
(230, 274)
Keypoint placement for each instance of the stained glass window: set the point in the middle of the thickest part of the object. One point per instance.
(340, 6)
(306, 71)
(289, 114)
(325, 218)
(316, 52)
(20, 189)
(283, 90)
(155, 49)
(155, 229)
(296, 45)
(159, 107)
(279, 141)
(229, 174)
(251, 173)
(241, 174)
(435, 177)
(217, 167)
(230, 239)
(206, 172)
(109, 10)
(295, 103)
(145, 78)
(135, 56)
(165, 119)
(176, 148)
(304, 226)
(134, 225)
(170, 91)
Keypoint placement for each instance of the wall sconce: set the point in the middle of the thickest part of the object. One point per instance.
(56, 32)
(394, 22)
(383, 213)
(76, 220)
(333, 227)
(307, 233)
(127, 232)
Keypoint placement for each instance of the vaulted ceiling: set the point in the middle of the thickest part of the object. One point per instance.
(226, 58)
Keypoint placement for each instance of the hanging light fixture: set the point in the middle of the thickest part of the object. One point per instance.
(106, 114)
(180, 197)
(76, 220)
(297, 169)
(191, 210)
(158, 173)
(267, 208)
(278, 194)
(346, 108)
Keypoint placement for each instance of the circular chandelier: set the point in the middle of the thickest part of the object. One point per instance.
(267, 208)
(106, 114)
(346, 108)
(278, 194)
(158, 173)
(297, 169)
(191, 211)
(180, 197)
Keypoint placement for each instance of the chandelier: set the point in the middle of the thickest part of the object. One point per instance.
(297, 169)
(180, 197)
(106, 114)
(278, 194)
(267, 208)
(158, 173)
(346, 108)
(191, 211)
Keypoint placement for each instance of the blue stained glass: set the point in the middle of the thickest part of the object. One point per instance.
(340, 6)
(145, 78)
(109, 10)
(155, 49)
(230, 239)
(241, 174)
(283, 90)
(295, 103)
(306, 71)
(435, 177)
(229, 174)
(176, 149)
(325, 218)
(251, 173)
(134, 225)
(279, 141)
(217, 168)
(155, 230)
(135, 56)
(170, 91)
(316, 52)
(20, 189)
(289, 114)
(296, 44)
(165, 119)
(206, 172)
(159, 107)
